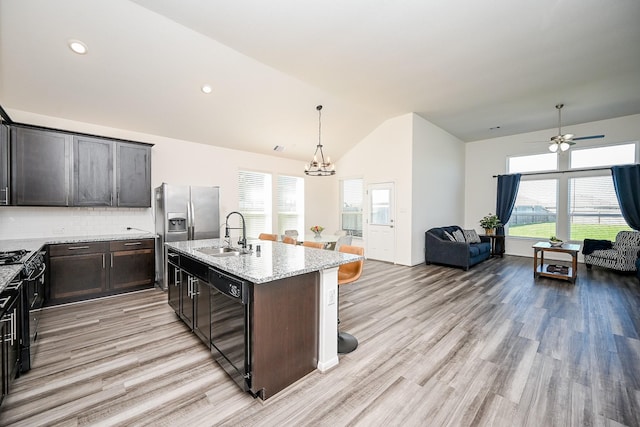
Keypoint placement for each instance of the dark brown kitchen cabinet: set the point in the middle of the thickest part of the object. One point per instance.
(132, 263)
(87, 270)
(77, 271)
(40, 167)
(4, 165)
(47, 167)
(93, 183)
(133, 174)
(173, 280)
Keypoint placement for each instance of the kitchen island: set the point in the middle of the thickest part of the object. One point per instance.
(285, 308)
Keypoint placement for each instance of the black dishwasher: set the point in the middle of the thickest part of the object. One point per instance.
(230, 322)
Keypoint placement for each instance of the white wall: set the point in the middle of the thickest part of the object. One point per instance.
(426, 165)
(488, 157)
(175, 162)
(438, 182)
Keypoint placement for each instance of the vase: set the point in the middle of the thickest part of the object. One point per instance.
(489, 231)
(317, 235)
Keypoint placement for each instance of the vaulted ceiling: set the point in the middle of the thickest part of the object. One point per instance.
(464, 65)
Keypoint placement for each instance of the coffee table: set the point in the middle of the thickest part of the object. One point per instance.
(542, 269)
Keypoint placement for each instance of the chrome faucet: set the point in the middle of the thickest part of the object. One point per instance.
(243, 241)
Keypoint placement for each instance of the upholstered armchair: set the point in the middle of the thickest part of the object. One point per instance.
(622, 255)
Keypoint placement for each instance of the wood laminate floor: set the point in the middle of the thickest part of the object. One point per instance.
(438, 346)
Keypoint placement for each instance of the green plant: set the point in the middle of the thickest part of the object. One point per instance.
(317, 228)
(490, 221)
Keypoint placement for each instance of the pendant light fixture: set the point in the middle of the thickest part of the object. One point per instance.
(319, 166)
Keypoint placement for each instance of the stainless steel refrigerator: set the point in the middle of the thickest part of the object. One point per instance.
(184, 213)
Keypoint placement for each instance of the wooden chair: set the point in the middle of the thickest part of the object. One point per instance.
(291, 233)
(342, 240)
(290, 240)
(318, 245)
(267, 236)
(348, 273)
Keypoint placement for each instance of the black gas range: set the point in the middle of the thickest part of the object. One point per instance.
(14, 257)
(30, 283)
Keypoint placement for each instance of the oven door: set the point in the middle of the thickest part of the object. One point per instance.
(229, 331)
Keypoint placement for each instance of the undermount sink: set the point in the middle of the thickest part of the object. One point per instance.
(219, 252)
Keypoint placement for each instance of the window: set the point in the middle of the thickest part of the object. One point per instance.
(570, 204)
(603, 156)
(290, 204)
(254, 200)
(594, 211)
(534, 163)
(351, 191)
(535, 211)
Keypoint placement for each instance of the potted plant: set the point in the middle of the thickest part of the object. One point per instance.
(489, 222)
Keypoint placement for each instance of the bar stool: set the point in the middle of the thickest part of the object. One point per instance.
(348, 273)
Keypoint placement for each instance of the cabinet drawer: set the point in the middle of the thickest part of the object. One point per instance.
(132, 245)
(78, 248)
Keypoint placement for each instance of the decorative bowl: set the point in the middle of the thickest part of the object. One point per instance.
(556, 243)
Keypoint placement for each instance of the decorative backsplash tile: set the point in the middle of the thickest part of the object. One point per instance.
(27, 222)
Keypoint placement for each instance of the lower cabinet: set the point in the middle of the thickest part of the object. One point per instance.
(92, 269)
(194, 305)
(11, 307)
(264, 336)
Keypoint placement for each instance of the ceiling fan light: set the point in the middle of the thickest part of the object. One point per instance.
(564, 146)
(567, 136)
(553, 147)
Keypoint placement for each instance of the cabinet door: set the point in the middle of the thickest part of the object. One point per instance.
(132, 269)
(133, 175)
(4, 165)
(77, 275)
(93, 183)
(186, 298)
(40, 170)
(174, 286)
(202, 323)
(4, 358)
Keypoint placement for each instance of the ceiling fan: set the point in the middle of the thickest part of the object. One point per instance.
(563, 142)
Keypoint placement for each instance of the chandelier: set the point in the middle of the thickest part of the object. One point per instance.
(319, 166)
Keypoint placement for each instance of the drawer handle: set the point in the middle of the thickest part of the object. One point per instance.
(75, 248)
(133, 244)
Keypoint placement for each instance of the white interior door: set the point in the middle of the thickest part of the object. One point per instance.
(381, 235)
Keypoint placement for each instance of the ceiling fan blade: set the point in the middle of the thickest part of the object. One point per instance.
(588, 137)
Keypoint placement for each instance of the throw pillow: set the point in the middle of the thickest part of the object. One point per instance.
(471, 236)
(449, 236)
(459, 236)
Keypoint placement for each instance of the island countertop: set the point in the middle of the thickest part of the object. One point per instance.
(274, 261)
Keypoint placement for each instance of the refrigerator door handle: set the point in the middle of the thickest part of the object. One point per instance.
(191, 233)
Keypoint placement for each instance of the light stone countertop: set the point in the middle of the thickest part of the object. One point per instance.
(8, 272)
(275, 260)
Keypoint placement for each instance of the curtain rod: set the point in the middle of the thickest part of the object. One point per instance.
(552, 172)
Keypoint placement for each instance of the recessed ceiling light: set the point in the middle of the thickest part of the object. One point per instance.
(278, 148)
(78, 47)
(206, 89)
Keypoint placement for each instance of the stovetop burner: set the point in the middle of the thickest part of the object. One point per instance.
(12, 257)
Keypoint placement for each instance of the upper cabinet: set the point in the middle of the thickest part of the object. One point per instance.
(133, 174)
(40, 167)
(55, 168)
(93, 183)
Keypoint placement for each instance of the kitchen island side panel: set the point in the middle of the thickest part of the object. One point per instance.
(284, 332)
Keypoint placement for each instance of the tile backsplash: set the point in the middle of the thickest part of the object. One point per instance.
(29, 222)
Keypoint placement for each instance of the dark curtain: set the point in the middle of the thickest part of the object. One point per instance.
(626, 181)
(507, 192)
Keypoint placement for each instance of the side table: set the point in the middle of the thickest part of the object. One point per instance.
(542, 269)
(496, 239)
